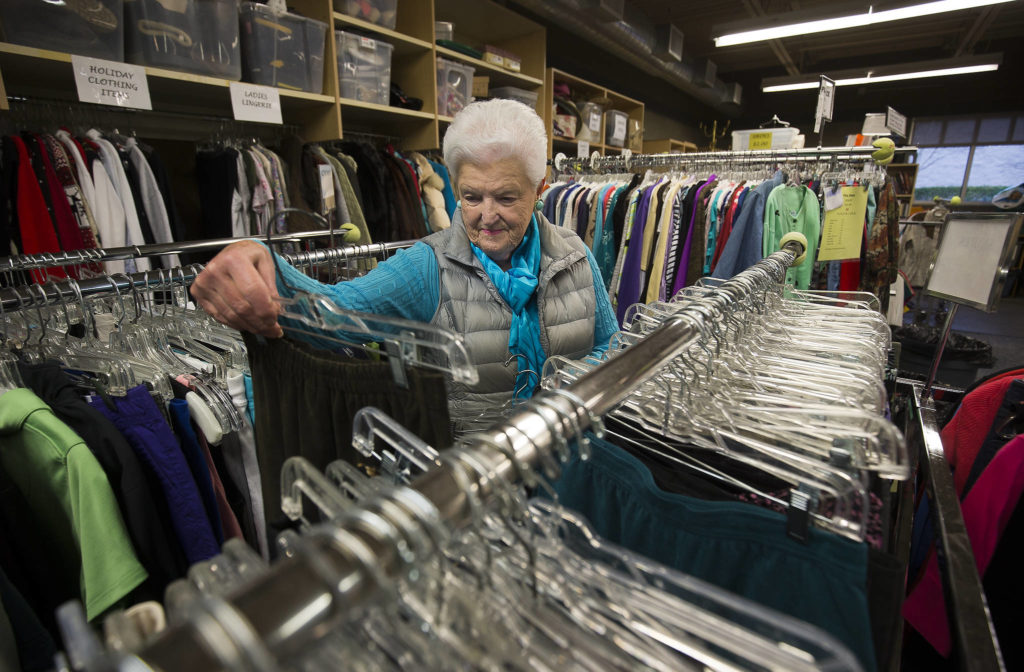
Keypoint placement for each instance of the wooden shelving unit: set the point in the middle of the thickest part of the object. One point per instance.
(587, 91)
(904, 177)
(668, 146)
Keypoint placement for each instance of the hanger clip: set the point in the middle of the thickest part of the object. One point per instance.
(399, 355)
(798, 518)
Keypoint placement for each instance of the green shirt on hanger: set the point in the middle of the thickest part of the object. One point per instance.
(62, 487)
(793, 208)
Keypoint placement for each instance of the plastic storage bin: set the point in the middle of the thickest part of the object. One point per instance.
(381, 12)
(616, 128)
(285, 50)
(364, 67)
(444, 30)
(764, 138)
(199, 36)
(96, 32)
(528, 98)
(590, 123)
(454, 86)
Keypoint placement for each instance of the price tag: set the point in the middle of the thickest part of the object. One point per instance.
(327, 200)
(620, 128)
(583, 149)
(111, 83)
(594, 123)
(252, 102)
(833, 198)
(367, 43)
(760, 141)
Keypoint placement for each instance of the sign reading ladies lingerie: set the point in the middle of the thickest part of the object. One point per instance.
(252, 102)
(111, 83)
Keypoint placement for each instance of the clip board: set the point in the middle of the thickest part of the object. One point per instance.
(971, 263)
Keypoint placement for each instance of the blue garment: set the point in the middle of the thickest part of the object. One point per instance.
(140, 421)
(717, 211)
(551, 200)
(518, 286)
(250, 406)
(743, 249)
(407, 285)
(834, 270)
(182, 421)
(605, 252)
(447, 192)
(737, 546)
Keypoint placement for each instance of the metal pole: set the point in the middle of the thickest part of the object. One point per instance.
(293, 605)
(946, 329)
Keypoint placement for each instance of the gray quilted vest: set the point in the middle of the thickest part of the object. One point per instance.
(471, 305)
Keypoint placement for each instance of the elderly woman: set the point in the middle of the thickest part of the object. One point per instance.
(516, 287)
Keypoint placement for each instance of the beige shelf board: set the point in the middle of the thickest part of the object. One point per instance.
(39, 72)
(499, 76)
(404, 44)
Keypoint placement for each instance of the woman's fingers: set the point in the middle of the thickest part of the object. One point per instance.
(238, 288)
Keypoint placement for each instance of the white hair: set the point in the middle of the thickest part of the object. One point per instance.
(497, 129)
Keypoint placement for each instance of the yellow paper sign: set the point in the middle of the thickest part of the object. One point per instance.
(843, 232)
(760, 141)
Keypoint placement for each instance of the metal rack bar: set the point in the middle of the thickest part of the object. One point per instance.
(977, 646)
(26, 262)
(288, 608)
(69, 290)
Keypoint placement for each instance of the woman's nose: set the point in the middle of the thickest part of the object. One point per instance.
(490, 210)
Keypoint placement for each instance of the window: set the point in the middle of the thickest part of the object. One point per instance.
(971, 157)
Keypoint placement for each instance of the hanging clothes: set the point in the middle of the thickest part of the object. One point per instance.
(790, 208)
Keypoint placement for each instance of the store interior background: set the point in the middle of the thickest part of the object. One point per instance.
(673, 113)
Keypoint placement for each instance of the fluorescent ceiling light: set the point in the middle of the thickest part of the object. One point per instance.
(869, 79)
(852, 21)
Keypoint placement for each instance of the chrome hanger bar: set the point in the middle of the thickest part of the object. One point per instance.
(13, 299)
(283, 611)
(26, 262)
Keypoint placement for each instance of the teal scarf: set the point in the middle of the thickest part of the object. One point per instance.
(518, 286)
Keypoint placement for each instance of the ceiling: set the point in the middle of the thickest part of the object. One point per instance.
(996, 28)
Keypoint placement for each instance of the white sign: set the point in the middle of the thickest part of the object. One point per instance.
(620, 128)
(595, 122)
(327, 200)
(111, 83)
(896, 122)
(582, 149)
(826, 102)
(833, 198)
(252, 102)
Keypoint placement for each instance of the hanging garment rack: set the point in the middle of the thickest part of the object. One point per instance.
(70, 290)
(26, 262)
(634, 162)
(286, 609)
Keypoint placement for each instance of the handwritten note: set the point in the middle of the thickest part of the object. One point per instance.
(760, 141)
(111, 83)
(843, 232)
(252, 102)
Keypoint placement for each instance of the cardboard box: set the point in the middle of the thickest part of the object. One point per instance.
(480, 86)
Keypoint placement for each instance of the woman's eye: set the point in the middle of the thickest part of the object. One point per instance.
(508, 200)
(471, 199)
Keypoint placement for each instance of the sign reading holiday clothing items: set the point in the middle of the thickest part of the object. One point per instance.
(843, 231)
(252, 102)
(111, 83)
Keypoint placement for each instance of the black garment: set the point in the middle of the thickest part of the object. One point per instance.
(135, 184)
(145, 514)
(886, 580)
(998, 434)
(1004, 587)
(163, 182)
(619, 213)
(305, 401)
(372, 185)
(217, 175)
(35, 645)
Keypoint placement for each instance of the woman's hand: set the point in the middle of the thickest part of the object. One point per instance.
(238, 288)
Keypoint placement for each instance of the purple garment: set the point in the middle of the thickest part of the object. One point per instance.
(629, 279)
(683, 261)
(138, 418)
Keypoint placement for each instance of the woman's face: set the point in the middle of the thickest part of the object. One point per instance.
(497, 202)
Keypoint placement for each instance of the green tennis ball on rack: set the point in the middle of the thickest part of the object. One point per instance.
(886, 150)
(352, 234)
(956, 200)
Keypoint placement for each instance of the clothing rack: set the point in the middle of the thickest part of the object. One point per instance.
(971, 627)
(633, 162)
(336, 568)
(35, 112)
(70, 290)
(27, 262)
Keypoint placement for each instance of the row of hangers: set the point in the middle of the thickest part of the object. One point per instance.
(789, 383)
(527, 586)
